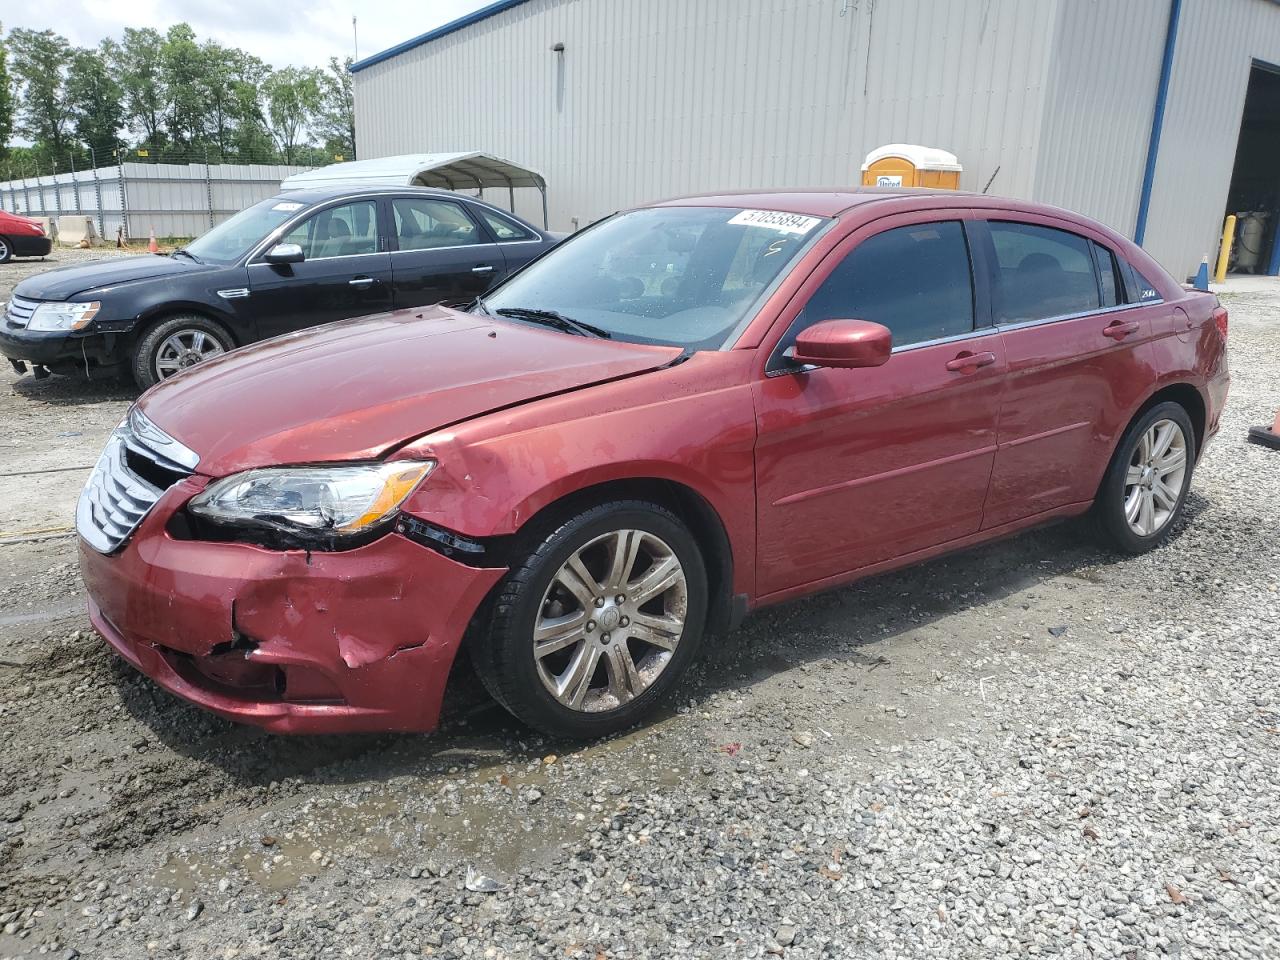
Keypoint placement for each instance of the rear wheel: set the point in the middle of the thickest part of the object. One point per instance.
(593, 629)
(6, 250)
(1147, 482)
(174, 345)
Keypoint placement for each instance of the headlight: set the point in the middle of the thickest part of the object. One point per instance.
(333, 501)
(63, 316)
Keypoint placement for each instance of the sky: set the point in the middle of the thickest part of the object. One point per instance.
(300, 33)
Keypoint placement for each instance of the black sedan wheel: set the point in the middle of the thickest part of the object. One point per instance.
(174, 345)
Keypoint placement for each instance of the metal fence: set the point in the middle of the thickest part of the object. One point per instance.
(132, 199)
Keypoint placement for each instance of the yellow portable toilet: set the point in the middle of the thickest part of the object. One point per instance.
(910, 165)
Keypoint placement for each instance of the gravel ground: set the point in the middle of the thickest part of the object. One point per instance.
(1033, 748)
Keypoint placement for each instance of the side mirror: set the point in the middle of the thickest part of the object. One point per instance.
(285, 253)
(843, 343)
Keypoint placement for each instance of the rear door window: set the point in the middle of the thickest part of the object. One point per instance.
(426, 224)
(915, 280)
(1040, 273)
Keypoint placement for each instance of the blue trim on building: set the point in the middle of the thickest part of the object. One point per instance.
(484, 13)
(1157, 122)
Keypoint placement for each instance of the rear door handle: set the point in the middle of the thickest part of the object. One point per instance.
(482, 269)
(362, 283)
(967, 362)
(1119, 329)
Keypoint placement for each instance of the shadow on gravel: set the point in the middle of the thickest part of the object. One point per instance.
(855, 624)
(75, 390)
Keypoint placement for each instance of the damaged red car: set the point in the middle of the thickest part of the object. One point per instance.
(683, 413)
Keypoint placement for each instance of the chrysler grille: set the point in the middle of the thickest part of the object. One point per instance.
(130, 476)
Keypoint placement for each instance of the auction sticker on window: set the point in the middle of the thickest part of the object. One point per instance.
(774, 220)
(287, 206)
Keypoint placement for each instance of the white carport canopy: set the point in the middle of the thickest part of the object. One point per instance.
(445, 171)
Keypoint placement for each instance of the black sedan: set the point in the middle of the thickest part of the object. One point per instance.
(299, 259)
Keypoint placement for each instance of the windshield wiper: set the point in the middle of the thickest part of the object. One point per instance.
(558, 321)
(182, 252)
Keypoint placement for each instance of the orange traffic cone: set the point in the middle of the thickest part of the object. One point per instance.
(1267, 436)
(152, 246)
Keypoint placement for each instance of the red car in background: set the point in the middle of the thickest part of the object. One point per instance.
(687, 411)
(22, 237)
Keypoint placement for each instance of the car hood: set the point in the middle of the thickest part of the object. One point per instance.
(61, 283)
(355, 389)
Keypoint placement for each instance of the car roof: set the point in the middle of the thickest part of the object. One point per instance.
(312, 195)
(814, 202)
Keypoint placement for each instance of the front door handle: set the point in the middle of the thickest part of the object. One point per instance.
(485, 269)
(967, 362)
(1119, 329)
(362, 283)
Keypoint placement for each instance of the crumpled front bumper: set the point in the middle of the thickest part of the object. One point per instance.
(295, 642)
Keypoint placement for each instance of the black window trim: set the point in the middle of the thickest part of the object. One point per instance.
(981, 225)
(779, 365)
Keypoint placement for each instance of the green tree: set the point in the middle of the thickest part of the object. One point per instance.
(183, 81)
(135, 61)
(293, 99)
(39, 62)
(335, 122)
(94, 98)
(6, 102)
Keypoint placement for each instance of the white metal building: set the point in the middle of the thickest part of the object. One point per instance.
(1130, 111)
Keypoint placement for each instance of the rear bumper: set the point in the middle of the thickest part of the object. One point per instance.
(361, 640)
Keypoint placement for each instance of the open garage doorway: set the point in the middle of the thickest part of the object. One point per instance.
(1254, 196)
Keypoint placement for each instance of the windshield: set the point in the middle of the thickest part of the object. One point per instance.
(232, 239)
(687, 276)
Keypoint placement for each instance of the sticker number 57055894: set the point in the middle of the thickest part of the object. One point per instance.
(776, 220)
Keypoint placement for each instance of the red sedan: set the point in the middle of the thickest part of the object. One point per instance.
(683, 413)
(22, 237)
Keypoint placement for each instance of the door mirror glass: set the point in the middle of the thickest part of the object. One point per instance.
(843, 343)
(285, 253)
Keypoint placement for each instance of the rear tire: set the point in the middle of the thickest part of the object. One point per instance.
(175, 344)
(591, 630)
(1146, 484)
(6, 250)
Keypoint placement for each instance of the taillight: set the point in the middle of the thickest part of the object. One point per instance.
(1220, 318)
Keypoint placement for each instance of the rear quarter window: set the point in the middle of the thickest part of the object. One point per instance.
(1138, 289)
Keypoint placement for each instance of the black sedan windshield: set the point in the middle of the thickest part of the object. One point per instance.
(687, 276)
(232, 239)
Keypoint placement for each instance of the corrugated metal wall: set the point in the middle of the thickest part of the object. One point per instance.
(667, 96)
(176, 200)
(1217, 43)
(1102, 93)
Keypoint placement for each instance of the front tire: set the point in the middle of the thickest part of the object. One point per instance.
(175, 344)
(6, 250)
(596, 625)
(1145, 487)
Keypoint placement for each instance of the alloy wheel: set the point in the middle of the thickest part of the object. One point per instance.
(1155, 477)
(185, 348)
(4, 251)
(610, 620)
